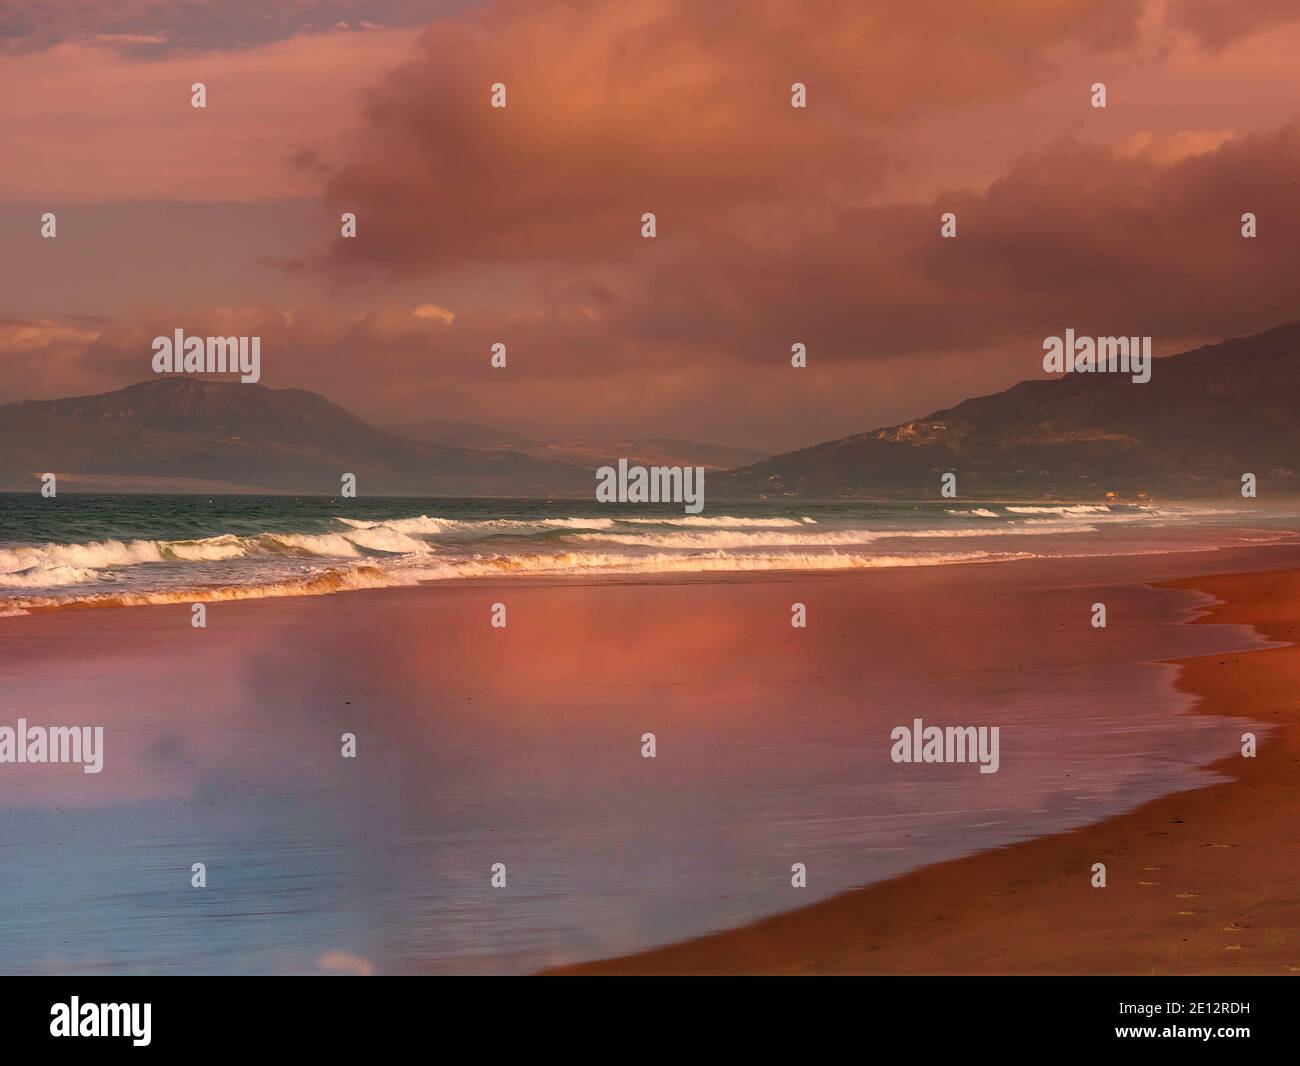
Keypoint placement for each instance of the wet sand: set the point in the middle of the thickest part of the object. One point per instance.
(523, 746)
(1199, 882)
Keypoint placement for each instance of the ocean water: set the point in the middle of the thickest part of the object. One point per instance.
(120, 550)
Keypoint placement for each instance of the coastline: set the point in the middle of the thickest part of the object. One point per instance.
(1202, 881)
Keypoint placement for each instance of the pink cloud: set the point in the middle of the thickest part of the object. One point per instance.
(667, 106)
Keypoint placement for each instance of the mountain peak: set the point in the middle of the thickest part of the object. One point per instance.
(182, 383)
(190, 430)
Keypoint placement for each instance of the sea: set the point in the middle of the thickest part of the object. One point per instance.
(127, 550)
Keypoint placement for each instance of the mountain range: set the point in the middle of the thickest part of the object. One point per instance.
(180, 434)
(186, 435)
(1205, 418)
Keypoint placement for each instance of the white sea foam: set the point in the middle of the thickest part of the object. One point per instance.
(719, 521)
(1075, 509)
(115, 554)
(745, 539)
(431, 525)
(387, 539)
(208, 549)
(730, 539)
(580, 563)
(36, 577)
(410, 571)
(318, 584)
(96, 555)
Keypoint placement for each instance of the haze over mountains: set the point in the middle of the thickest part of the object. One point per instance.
(179, 434)
(582, 451)
(1205, 418)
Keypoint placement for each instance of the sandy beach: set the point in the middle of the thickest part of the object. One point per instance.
(1199, 882)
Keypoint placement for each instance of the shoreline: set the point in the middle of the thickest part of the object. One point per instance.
(480, 745)
(209, 553)
(1200, 881)
(336, 582)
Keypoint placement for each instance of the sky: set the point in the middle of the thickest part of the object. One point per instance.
(521, 225)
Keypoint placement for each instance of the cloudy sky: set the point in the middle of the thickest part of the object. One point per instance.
(522, 225)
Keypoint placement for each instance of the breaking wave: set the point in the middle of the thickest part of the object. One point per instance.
(721, 522)
(743, 539)
(1074, 509)
(316, 552)
(561, 564)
